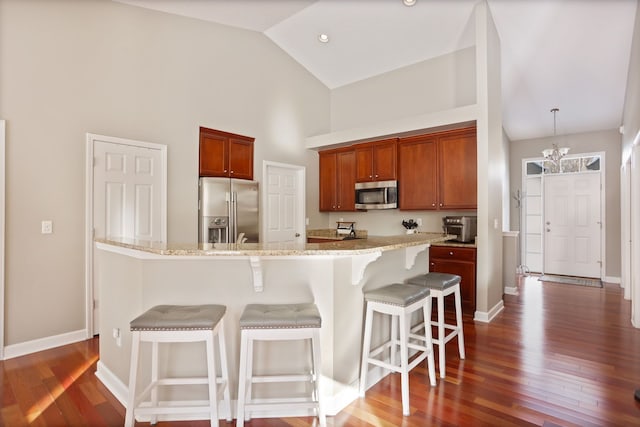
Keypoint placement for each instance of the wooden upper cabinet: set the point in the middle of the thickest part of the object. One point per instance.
(337, 180)
(417, 173)
(438, 171)
(458, 170)
(376, 161)
(224, 154)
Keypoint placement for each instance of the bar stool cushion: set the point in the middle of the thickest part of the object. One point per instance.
(280, 316)
(397, 294)
(179, 317)
(435, 280)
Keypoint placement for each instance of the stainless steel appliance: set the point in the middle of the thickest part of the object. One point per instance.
(377, 195)
(227, 211)
(464, 227)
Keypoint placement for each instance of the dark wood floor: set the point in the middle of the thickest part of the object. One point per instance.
(558, 355)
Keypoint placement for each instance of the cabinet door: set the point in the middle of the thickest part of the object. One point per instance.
(364, 163)
(240, 158)
(327, 180)
(213, 155)
(384, 160)
(346, 180)
(417, 173)
(457, 154)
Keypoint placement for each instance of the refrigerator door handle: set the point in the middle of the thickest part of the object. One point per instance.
(234, 213)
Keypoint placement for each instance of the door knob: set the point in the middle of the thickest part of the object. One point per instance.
(297, 234)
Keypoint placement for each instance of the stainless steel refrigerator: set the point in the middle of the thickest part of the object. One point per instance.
(228, 211)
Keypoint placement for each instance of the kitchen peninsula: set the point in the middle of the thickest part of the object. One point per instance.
(134, 276)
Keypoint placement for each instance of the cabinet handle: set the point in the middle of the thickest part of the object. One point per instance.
(231, 171)
(225, 170)
(451, 253)
(440, 204)
(377, 176)
(433, 264)
(433, 204)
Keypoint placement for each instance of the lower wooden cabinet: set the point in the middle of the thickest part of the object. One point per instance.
(460, 261)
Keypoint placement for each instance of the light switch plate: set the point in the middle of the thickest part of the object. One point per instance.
(47, 227)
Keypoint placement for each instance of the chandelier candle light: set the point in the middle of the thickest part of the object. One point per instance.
(554, 153)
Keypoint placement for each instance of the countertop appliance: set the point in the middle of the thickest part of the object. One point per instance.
(228, 211)
(377, 195)
(464, 227)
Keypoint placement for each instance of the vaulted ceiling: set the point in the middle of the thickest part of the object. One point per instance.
(569, 54)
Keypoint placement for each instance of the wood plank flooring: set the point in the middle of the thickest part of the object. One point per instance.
(558, 355)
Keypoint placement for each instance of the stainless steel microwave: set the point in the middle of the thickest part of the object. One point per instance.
(377, 195)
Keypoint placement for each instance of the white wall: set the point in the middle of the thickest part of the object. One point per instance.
(70, 67)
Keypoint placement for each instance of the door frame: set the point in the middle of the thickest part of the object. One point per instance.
(300, 177)
(2, 232)
(603, 208)
(89, 223)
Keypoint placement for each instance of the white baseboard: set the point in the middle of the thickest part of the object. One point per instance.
(612, 279)
(28, 347)
(486, 317)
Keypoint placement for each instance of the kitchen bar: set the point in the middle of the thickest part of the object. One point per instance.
(134, 276)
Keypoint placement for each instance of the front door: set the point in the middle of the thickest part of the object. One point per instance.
(129, 194)
(572, 224)
(284, 203)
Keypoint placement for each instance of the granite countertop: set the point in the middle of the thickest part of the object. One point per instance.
(370, 244)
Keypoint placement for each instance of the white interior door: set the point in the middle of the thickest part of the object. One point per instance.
(572, 224)
(129, 194)
(283, 203)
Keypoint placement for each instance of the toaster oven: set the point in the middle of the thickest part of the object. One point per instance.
(464, 227)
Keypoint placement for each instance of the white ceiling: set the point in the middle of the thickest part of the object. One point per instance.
(570, 54)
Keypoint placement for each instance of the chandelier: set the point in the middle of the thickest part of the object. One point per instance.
(554, 153)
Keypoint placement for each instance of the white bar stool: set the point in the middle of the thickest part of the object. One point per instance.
(176, 324)
(442, 285)
(399, 301)
(278, 322)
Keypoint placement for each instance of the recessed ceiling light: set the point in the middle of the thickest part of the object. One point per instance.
(323, 38)
(409, 2)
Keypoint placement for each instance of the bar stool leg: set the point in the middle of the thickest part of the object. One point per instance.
(249, 383)
(243, 378)
(317, 374)
(404, 362)
(441, 336)
(133, 376)
(459, 325)
(394, 340)
(225, 369)
(154, 379)
(213, 386)
(428, 337)
(366, 348)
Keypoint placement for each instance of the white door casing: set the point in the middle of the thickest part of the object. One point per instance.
(573, 224)
(625, 228)
(283, 202)
(635, 233)
(126, 198)
(2, 233)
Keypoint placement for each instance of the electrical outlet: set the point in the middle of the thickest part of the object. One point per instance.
(47, 227)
